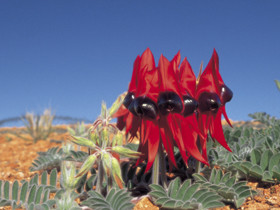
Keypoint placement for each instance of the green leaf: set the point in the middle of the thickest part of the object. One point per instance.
(274, 160)
(246, 165)
(157, 187)
(265, 159)
(213, 204)
(38, 194)
(174, 187)
(255, 156)
(169, 204)
(256, 172)
(23, 192)
(199, 177)
(230, 181)
(53, 177)
(190, 191)
(15, 190)
(6, 190)
(44, 177)
(225, 178)
(161, 200)
(182, 189)
(46, 195)
(276, 172)
(198, 193)
(238, 203)
(213, 176)
(218, 177)
(157, 194)
(267, 176)
(31, 196)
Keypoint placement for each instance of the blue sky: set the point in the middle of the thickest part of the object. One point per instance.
(70, 55)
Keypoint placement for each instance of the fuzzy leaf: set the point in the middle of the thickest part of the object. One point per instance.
(213, 204)
(265, 159)
(32, 194)
(256, 172)
(190, 191)
(23, 192)
(255, 156)
(274, 160)
(238, 203)
(15, 190)
(6, 190)
(182, 189)
(53, 177)
(173, 187)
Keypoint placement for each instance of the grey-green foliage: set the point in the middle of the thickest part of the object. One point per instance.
(30, 195)
(185, 196)
(53, 157)
(226, 186)
(79, 130)
(116, 199)
(263, 165)
(39, 127)
(252, 149)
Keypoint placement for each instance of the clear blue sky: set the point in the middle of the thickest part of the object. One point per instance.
(71, 55)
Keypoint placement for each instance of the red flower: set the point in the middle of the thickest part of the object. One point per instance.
(166, 106)
(212, 94)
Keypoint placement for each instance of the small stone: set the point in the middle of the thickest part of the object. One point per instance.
(20, 175)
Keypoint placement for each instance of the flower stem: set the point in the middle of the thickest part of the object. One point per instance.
(162, 167)
(158, 173)
(155, 171)
(100, 178)
(198, 164)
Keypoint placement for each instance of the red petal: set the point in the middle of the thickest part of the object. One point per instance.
(216, 130)
(187, 79)
(167, 140)
(176, 131)
(134, 79)
(225, 115)
(153, 142)
(177, 59)
(207, 82)
(147, 60)
(167, 78)
(189, 128)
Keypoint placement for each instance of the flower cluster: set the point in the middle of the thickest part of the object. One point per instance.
(167, 105)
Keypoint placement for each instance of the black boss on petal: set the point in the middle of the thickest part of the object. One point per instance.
(169, 102)
(208, 102)
(190, 105)
(226, 94)
(128, 99)
(143, 107)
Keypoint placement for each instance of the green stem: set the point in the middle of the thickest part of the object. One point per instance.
(198, 163)
(100, 178)
(155, 171)
(162, 167)
(159, 173)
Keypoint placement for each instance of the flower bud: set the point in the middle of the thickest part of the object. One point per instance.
(83, 142)
(68, 171)
(116, 105)
(105, 135)
(116, 172)
(87, 165)
(106, 162)
(118, 139)
(126, 152)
